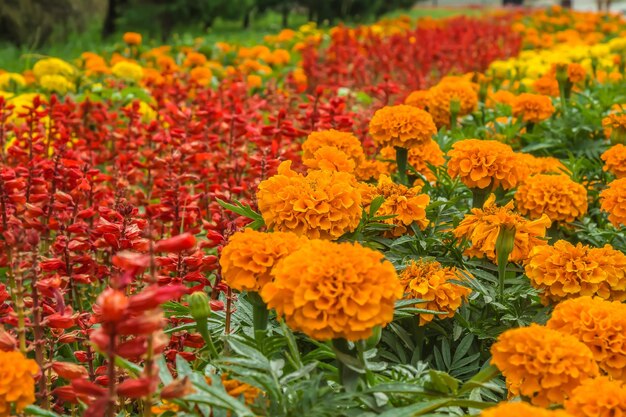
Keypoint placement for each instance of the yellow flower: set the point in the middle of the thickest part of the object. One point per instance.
(542, 364)
(53, 66)
(562, 199)
(128, 71)
(615, 160)
(132, 38)
(56, 83)
(322, 204)
(431, 282)
(483, 226)
(613, 201)
(599, 324)
(406, 204)
(17, 383)
(485, 164)
(598, 397)
(248, 258)
(9, 78)
(345, 293)
(343, 142)
(565, 271)
(533, 108)
(402, 126)
(521, 409)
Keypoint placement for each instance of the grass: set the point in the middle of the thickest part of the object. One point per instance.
(18, 59)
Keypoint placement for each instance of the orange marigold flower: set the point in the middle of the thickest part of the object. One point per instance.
(555, 195)
(418, 98)
(132, 38)
(521, 409)
(541, 165)
(615, 160)
(431, 282)
(484, 164)
(402, 126)
(194, 59)
(345, 293)
(238, 389)
(483, 226)
(17, 385)
(615, 127)
(371, 169)
(613, 201)
(599, 324)
(533, 108)
(201, 75)
(407, 204)
(547, 85)
(443, 95)
(344, 142)
(576, 73)
(504, 97)
(322, 204)
(248, 258)
(329, 158)
(565, 271)
(542, 364)
(598, 397)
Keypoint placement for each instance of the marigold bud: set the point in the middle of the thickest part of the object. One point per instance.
(199, 305)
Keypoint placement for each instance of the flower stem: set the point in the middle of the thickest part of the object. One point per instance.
(348, 377)
(402, 156)
(479, 196)
(260, 315)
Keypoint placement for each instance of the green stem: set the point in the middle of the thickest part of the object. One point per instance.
(348, 377)
(260, 316)
(402, 156)
(203, 329)
(479, 196)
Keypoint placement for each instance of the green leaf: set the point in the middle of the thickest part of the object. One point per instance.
(33, 410)
(245, 211)
(418, 409)
(480, 379)
(132, 368)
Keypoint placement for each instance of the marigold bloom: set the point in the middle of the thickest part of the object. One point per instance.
(237, 389)
(576, 73)
(201, 75)
(483, 226)
(521, 409)
(407, 204)
(565, 271)
(17, 383)
(194, 59)
(542, 364)
(541, 164)
(56, 83)
(533, 108)
(485, 164)
(443, 95)
(402, 126)
(613, 201)
(547, 85)
(128, 71)
(254, 81)
(344, 142)
(53, 66)
(431, 282)
(614, 126)
(371, 169)
(503, 97)
(322, 204)
(345, 293)
(599, 324)
(248, 258)
(597, 397)
(555, 195)
(132, 38)
(9, 78)
(418, 98)
(615, 160)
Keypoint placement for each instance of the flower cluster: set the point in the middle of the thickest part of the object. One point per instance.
(482, 227)
(450, 96)
(332, 150)
(600, 325)
(597, 397)
(565, 271)
(248, 258)
(615, 160)
(485, 164)
(322, 204)
(433, 283)
(533, 108)
(521, 409)
(614, 126)
(542, 364)
(345, 293)
(557, 196)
